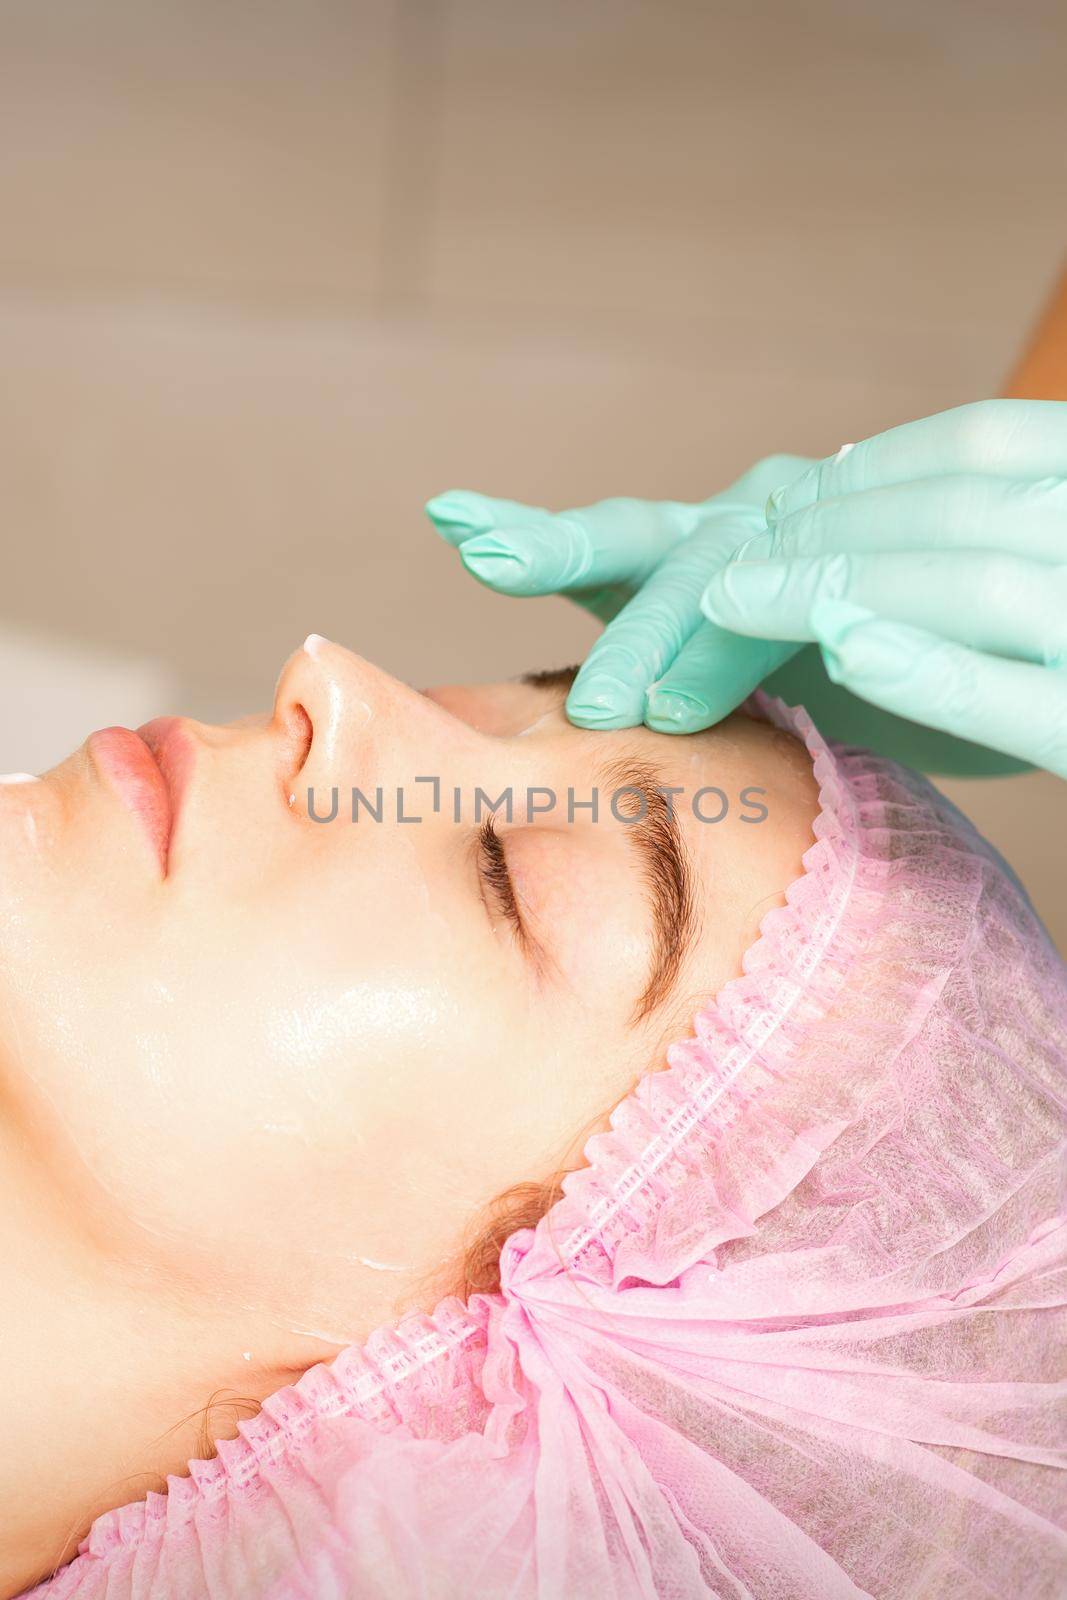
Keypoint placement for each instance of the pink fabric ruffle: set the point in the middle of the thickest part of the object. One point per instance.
(797, 1329)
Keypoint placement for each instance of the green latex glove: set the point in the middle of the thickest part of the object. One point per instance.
(930, 565)
(647, 568)
(641, 568)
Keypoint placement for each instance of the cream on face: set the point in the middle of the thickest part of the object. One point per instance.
(280, 1053)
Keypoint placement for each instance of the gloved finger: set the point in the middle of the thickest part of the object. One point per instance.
(712, 673)
(1010, 706)
(841, 715)
(987, 600)
(636, 649)
(1027, 516)
(460, 513)
(526, 551)
(1006, 438)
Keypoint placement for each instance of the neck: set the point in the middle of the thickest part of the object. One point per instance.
(111, 1378)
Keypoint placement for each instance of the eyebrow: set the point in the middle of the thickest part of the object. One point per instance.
(550, 677)
(666, 866)
(666, 871)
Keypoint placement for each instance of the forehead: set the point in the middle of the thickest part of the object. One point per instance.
(504, 709)
(737, 746)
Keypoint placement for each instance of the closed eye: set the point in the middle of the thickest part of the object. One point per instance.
(495, 877)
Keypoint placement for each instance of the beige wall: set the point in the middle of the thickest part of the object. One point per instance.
(272, 272)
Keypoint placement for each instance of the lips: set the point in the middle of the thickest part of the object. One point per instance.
(148, 770)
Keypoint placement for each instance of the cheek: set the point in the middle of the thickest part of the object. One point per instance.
(267, 1084)
(238, 1073)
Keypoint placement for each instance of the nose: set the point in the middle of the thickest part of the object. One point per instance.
(364, 728)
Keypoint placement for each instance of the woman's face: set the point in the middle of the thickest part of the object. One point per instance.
(262, 1054)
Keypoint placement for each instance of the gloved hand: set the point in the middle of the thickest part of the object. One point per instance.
(962, 484)
(930, 565)
(641, 567)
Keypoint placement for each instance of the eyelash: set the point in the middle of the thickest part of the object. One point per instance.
(493, 867)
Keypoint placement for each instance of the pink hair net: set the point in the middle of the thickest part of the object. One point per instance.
(796, 1330)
